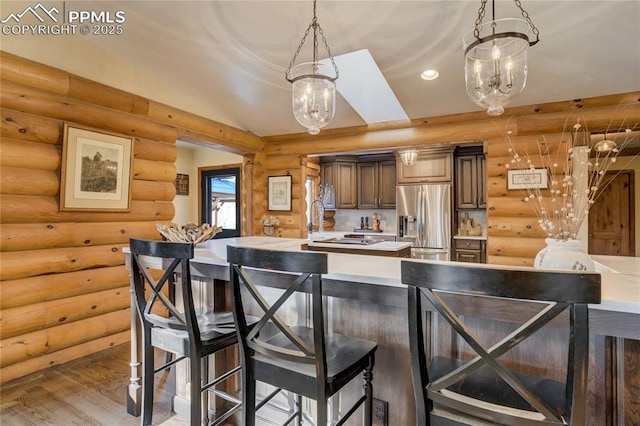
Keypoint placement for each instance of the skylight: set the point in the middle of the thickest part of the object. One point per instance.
(362, 84)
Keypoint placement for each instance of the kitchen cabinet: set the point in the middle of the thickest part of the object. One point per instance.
(341, 174)
(471, 186)
(470, 250)
(377, 184)
(432, 165)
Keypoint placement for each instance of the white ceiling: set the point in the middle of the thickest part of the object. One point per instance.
(232, 55)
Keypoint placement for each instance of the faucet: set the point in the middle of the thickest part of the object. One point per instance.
(320, 214)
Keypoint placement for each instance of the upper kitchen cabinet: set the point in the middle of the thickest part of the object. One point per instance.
(341, 174)
(377, 184)
(433, 165)
(471, 188)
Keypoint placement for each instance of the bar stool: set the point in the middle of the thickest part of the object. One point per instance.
(194, 332)
(305, 360)
(456, 392)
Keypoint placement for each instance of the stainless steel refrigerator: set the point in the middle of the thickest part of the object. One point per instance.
(424, 219)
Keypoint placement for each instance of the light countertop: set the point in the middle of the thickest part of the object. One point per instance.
(379, 246)
(620, 275)
(470, 237)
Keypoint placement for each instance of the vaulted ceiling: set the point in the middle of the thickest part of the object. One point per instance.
(231, 55)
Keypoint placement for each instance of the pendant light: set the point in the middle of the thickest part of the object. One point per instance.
(496, 58)
(313, 83)
(408, 156)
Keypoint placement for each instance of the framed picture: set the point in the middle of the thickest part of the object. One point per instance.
(96, 170)
(182, 184)
(280, 193)
(527, 179)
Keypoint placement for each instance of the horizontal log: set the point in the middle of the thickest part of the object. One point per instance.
(388, 139)
(29, 155)
(60, 357)
(106, 96)
(33, 236)
(22, 264)
(534, 109)
(437, 132)
(510, 261)
(283, 162)
(33, 209)
(20, 181)
(147, 149)
(203, 129)
(30, 345)
(34, 101)
(606, 118)
(45, 288)
(25, 319)
(30, 73)
(518, 227)
(30, 127)
(514, 247)
(153, 170)
(511, 206)
(532, 144)
(146, 190)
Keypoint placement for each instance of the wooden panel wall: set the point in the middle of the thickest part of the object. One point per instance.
(64, 290)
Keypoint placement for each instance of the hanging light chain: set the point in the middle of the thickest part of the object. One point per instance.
(295, 55)
(525, 15)
(481, 11)
(316, 29)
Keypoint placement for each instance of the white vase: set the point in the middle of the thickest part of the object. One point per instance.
(563, 254)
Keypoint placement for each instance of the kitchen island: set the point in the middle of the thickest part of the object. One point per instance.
(364, 246)
(368, 300)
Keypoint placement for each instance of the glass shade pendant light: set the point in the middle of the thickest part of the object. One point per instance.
(313, 84)
(408, 156)
(496, 58)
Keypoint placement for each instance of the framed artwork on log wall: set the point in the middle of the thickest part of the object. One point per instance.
(280, 193)
(96, 171)
(527, 179)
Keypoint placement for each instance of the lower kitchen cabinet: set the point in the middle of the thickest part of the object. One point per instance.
(470, 251)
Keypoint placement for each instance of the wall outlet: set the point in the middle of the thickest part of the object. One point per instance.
(504, 227)
(380, 409)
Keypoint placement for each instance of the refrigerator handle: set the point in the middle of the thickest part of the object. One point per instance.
(421, 218)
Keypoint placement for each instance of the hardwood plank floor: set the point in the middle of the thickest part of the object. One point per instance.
(87, 391)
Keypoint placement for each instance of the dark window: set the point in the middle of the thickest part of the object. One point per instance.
(222, 185)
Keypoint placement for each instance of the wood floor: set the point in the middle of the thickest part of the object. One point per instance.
(87, 391)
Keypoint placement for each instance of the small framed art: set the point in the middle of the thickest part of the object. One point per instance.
(280, 193)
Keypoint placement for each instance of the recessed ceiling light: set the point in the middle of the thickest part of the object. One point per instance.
(430, 74)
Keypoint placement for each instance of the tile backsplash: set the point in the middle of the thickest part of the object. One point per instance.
(348, 220)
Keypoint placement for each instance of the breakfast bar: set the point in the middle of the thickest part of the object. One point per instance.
(368, 300)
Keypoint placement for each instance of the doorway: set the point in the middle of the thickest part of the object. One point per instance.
(221, 186)
(612, 217)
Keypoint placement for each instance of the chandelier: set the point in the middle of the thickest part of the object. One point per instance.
(496, 58)
(408, 156)
(313, 84)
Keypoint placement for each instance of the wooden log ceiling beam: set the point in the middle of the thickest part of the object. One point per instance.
(187, 126)
(600, 113)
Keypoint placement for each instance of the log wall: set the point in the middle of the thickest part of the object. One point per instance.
(64, 290)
